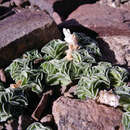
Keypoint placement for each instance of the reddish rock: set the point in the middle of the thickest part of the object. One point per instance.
(2, 76)
(43, 5)
(43, 104)
(23, 31)
(1, 1)
(74, 114)
(48, 119)
(56, 17)
(20, 124)
(66, 7)
(68, 91)
(112, 25)
(117, 50)
(104, 20)
(24, 121)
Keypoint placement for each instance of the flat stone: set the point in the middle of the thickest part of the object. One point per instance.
(43, 5)
(41, 107)
(24, 31)
(116, 49)
(102, 19)
(74, 114)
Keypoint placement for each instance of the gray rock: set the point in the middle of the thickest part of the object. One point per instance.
(23, 31)
(74, 114)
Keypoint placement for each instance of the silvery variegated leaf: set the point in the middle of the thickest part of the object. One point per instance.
(37, 88)
(126, 120)
(57, 72)
(101, 68)
(124, 93)
(82, 55)
(62, 71)
(49, 68)
(88, 87)
(89, 44)
(20, 70)
(32, 55)
(12, 102)
(55, 49)
(58, 79)
(117, 76)
(37, 126)
(2, 86)
(4, 116)
(124, 89)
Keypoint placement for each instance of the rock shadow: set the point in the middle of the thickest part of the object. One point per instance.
(65, 7)
(107, 54)
(5, 12)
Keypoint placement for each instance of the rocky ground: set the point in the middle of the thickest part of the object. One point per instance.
(25, 25)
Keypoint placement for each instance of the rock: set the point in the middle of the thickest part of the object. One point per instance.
(1, 1)
(18, 3)
(11, 125)
(72, 89)
(43, 104)
(24, 121)
(67, 94)
(68, 91)
(5, 11)
(65, 7)
(48, 119)
(1, 127)
(74, 114)
(120, 45)
(2, 76)
(104, 20)
(43, 5)
(112, 26)
(116, 3)
(24, 31)
(56, 17)
(20, 124)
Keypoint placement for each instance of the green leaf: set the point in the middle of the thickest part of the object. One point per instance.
(20, 70)
(126, 120)
(82, 55)
(37, 126)
(32, 55)
(89, 44)
(117, 76)
(87, 88)
(11, 99)
(55, 49)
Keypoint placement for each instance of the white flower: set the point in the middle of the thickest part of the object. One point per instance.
(72, 41)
